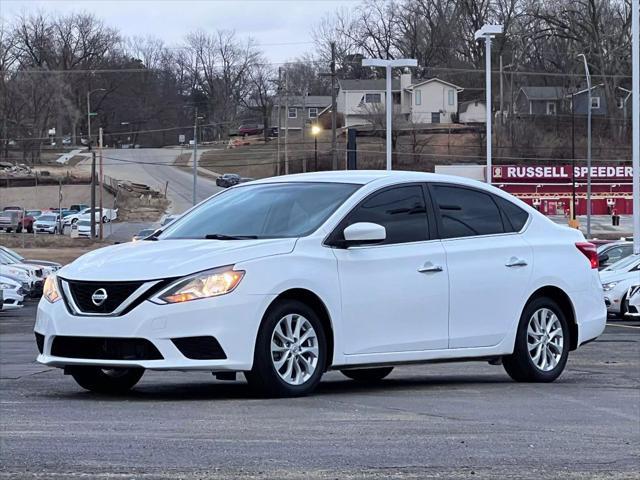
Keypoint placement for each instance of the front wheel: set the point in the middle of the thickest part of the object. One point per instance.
(542, 343)
(107, 380)
(367, 375)
(290, 353)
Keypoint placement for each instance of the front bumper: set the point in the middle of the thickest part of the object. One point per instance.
(233, 320)
(44, 229)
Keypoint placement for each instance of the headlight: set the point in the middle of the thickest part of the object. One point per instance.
(50, 290)
(209, 283)
(608, 286)
(21, 274)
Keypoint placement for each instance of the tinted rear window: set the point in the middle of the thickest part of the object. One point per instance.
(515, 216)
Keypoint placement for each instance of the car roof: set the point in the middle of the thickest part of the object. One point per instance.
(380, 177)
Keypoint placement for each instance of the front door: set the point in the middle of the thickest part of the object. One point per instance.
(394, 294)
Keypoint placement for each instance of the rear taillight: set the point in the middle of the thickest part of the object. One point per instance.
(589, 250)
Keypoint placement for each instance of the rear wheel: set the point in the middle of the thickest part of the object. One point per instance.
(367, 375)
(290, 353)
(107, 380)
(19, 229)
(542, 343)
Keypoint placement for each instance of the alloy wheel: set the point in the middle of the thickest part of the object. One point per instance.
(294, 349)
(545, 339)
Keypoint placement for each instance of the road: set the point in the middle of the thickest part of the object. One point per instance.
(154, 166)
(465, 420)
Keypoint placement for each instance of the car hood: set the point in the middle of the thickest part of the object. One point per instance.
(151, 260)
(617, 276)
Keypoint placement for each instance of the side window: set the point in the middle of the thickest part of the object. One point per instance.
(465, 212)
(400, 210)
(514, 215)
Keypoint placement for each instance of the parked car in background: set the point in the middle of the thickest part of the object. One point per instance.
(11, 293)
(36, 273)
(19, 274)
(143, 234)
(48, 267)
(11, 219)
(616, 280)
(83, 228)
(228, 180)
(107, 215)
(633, 306)
(286, 278)
(250, 129)
(77, 207)
(610, 253)
(47, 223)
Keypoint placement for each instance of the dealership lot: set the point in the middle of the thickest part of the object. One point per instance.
(448, 420)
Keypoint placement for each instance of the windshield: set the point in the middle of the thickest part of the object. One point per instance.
(47, 218)
(624, 263)
(270, 210)
(6, 259)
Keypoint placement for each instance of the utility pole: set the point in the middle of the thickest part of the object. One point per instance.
(286, 123)
(635, 126)
(334, 113)
(195, 156)
(573, 161)
(100, 180)
(501, 97)
(279, 120)
(93, 192)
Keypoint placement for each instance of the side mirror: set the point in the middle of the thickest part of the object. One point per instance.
(364, 233)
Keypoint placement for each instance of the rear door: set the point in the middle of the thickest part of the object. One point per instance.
(489, 263)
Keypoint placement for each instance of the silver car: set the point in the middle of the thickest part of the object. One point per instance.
(47, 223)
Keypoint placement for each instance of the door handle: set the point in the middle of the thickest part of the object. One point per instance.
(430, 268)
(516, 262)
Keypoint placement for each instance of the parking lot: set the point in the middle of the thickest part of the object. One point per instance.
(465, 420)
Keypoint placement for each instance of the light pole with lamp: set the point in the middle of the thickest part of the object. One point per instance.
(589, 107)
(486, 33)
(93, 163)
(389, 65)
(315, 130)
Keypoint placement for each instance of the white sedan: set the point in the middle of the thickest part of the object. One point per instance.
(12, 297)
(286, 278)
(616, 280)
(107, 215)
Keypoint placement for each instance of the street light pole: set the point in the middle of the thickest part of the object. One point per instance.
(486, 33)
(588, 75)
(389, 65)
(635, 106)
(315, 130)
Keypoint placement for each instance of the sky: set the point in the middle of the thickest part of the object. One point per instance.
(282, 28)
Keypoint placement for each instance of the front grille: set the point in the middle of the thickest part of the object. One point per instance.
(117, 292)
(40, 341)
(200, 348)
(104, 348)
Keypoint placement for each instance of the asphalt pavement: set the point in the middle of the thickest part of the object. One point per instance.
(463, 420)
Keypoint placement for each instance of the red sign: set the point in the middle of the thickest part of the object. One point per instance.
(560, 173)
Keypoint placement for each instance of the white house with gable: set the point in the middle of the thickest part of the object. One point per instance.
(416, 101)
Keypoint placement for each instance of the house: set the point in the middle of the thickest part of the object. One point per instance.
(414, 101)
(297, 110)
(540, 100)
(472, 111)
(580, 100)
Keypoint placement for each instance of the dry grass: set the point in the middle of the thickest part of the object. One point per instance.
(60, 255)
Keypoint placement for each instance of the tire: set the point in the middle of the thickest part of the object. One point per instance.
(105, 219)
(367, 375)
(19, 228)
(30, 229)
(73, 221)
(280, 366)
(8, 230)
(548, 359)
(99, 380)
